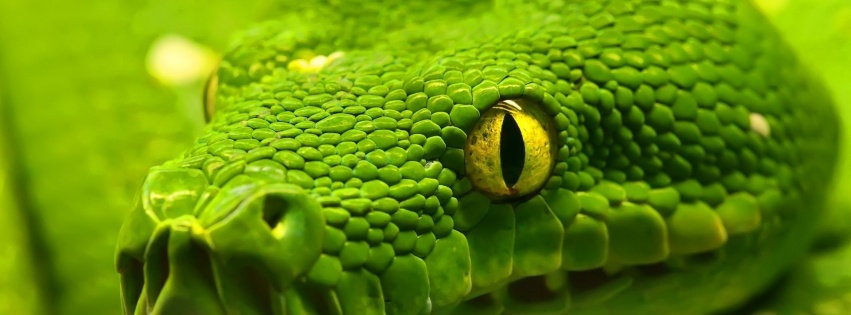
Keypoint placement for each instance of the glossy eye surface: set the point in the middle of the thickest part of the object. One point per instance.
(510, 152)
(210, 95)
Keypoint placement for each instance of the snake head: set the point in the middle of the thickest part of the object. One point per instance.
(508, 157)
(215, 250)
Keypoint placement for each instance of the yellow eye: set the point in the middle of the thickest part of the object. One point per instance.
(511, 151)
(210, 95)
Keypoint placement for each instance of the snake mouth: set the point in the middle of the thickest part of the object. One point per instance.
(238, 252)
(180, 275)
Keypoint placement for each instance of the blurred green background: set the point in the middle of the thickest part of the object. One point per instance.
(94, 93)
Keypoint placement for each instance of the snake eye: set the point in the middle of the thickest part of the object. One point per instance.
(210, 95)
(510, 152)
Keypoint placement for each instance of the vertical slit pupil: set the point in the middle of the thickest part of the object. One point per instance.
(512, 151)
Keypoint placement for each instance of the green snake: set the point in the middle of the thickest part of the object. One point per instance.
(575, 157)
(589, 157)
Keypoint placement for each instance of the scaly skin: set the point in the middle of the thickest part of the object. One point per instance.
(675, 161)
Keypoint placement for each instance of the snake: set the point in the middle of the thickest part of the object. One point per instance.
(499, 157)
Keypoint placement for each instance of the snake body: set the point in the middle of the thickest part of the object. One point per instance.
(465, 157)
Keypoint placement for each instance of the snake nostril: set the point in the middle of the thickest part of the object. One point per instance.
(274, 209)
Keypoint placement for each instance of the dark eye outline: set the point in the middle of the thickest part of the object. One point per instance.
(484, 153)
(210, 89)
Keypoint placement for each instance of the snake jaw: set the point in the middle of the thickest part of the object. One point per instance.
(234, 253)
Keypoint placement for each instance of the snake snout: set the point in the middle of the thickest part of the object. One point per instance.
(194, 248)
(177, 274)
